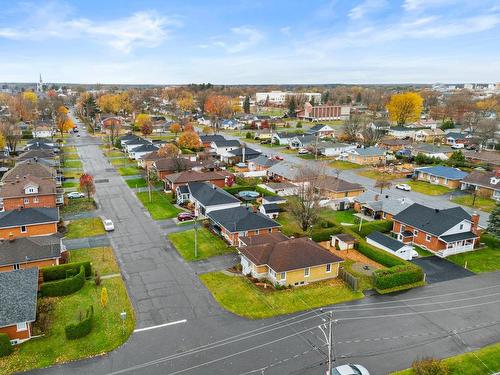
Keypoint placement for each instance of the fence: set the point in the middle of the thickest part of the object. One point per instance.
(351, 280)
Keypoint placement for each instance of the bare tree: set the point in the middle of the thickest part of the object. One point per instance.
(11, 133)
(485, 130)
(383, 182)
(370, 135)
(352, 127)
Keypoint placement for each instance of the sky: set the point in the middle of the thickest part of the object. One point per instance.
(250, 41)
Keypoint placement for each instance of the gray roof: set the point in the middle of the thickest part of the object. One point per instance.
(385, 241)
(241, 218)
(146, 147)
(249, 152)
(271, 208)
(209, 195)
(18, 292)
(383, 202)
(29, 249)
(455, 135)
(432, 149)
(326, 144)
(432, 220)
(304, 139)
(28, 216)
(370, 151)
(458, 237)
(227, 143)
(285, 169)
(316, 128)
(264, 161)
(274, 198)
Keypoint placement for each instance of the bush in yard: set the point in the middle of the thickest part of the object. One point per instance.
(59, 272)
(64, 287)
(5, 345)
(379, 256)
(397, 276)
(429, 366)
(248, 135)
(81, 328)
(490, 240)
(324, 234)
(383, 226)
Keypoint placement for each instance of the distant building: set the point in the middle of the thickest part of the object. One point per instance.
(324, 112)
(279, 97)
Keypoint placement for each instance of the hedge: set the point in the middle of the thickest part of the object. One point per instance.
(379, 256)
(64, 287)
(490, 240)
(324, 234)
(5, 345)
(82, 328)
(383, 226)
(59, 272)
(397, 276)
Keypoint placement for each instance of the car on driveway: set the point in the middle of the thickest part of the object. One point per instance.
(75, 195)
(303, 151)
(404, 187)
(185, 216)
(108, 225)
(350, 369)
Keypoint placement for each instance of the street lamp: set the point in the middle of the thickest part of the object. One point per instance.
(326, 329)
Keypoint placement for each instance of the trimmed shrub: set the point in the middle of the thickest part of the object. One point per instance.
(82, 328)
(324, 234)
(396, 276)
(61, 271)
(383, 226)
(490, 240)
(379, 256)
(5, 345)
(64, 287)
(429, 366)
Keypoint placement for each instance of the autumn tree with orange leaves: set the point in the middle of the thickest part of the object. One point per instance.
(175, 128)
(189, 140)
(63, 121)
(218, 106)
(168, 150)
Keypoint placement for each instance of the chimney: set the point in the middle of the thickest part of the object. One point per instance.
(497, 173)
(376, 197)
(475, 223)
(436, 210)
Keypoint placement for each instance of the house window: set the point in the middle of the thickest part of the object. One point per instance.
(16, 266)
(257, 232)
(328, 268)
(22, 327)
(35, 200)
(283, 276)
(402, 228)
(23, 229)
(273, 274)
(428, 237)
(415, 232)
(270, 230)
(306, 272)
(461, 226)
(26, 200)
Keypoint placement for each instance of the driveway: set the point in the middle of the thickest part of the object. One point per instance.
(439, 269)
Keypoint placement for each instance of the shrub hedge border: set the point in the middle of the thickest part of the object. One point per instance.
(59, 272)
(64, 287)
(82, 328)
(5, 345)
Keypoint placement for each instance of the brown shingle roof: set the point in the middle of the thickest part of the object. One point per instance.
(40, 154)
(26, 168)
(483, 179)
(172, 164)
(292, 254)
(16, 188)
(193, 176)
(263, 239)
(330, 183)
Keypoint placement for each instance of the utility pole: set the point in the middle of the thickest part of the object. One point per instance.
(327, 330)
(196, 236)
(149, 186)
(316, 147)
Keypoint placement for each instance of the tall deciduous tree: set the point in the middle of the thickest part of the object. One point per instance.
(168, 150)
(352, 127)
(405, 107)
(218, 106)
(87, 184)
(189, 140)
(63, 121)
(175, 128)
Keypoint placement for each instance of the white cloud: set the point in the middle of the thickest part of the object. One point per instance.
(240, 39)
(285, 30)
(412, 5)
(366, 7)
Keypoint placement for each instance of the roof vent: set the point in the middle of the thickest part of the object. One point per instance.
(436, 210)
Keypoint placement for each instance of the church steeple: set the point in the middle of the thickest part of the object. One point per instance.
(39, 85)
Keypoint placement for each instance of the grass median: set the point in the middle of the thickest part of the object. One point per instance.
(102, 259)
(82, 228)
(483, 204)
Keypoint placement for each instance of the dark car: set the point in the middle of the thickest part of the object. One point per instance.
(185, 216)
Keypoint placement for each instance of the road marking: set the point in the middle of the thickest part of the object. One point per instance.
(160, 326)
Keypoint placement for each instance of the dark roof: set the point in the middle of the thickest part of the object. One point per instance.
(264, 161)
(291, 254)
(29, 249)
(18, 292)
(183, 189)
(432, 220)
(442, 171)
(39, 146)
(28, 167)
(227, 143)
(172, 164)
(483, 178)
(40, 154)
(455, 135)
(152, 156)
(146, 147)
(304, 138)
(492, 157)
(209, 195)
(17, 188)
(240, 218)
(194, 176)
(288, 134)
(28, 216)
(345, 237)
(249, 152)
(137, 141)
(335, 184)
(211, 138)
(39, 140)
(263, 239)
(386, 241)
(458, 237)
(316, 128)
(128, 137)
(271, 208)
(274, 198)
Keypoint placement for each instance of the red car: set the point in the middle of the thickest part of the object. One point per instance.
(278, 157)
(185, 216)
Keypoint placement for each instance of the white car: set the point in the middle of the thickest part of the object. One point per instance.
(350, 369)
(75, 195)
(108, 225)
(303, 151)
(404, 187)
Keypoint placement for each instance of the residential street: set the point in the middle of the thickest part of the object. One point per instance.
(383, 333)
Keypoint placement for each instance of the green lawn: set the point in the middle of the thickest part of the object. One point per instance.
(375, 175)
(122, 162)
(85, 228)
(340, 216)
(136, 182)
(290, 226)
(69, 149)
(427, 188)
(69, 184)
(73, 174)
(114, 153)
(365, 281)
(71, 156)
(72, 164)
(483, 204)
(209, 244)
(483, 260)
(340, 164)
(484, 361)
(54, 348)
(241, 297)
(129, 171)
(422, 252)
(75, 206)
(102, 258)
(160, 206)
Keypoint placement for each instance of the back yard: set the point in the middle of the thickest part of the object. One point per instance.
(427, 188)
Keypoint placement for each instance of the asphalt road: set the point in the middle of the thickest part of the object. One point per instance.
(384, 333)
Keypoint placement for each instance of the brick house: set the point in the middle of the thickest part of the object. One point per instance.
(28, 222)
(443, 232)
(336, 188)
(486, 184)
(440, 175)
(167, 166)
(206, 197)
(172, 181)
(365, 156)
(294, 261)
(30, 168)
(28, 252)
(18, 301)
(324, 112)
(232, 223)
(28, 192)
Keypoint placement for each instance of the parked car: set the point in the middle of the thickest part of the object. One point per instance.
(278, 157)
(108, 225)
(404, 187)
(185, 216)
(303, 151)
(458, 145)
(75, 195)
(350, 369)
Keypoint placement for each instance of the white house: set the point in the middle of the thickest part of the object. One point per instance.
(222, 147)
(401, 132)
(334, 148)
(43, 132)
(141, 150)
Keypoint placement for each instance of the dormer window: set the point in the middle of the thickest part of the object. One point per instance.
(31, 189)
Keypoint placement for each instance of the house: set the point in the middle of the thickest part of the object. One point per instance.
(182, 178)
(206, 197)
(109, 121)
(443, 232)
(37, 155)
(261, 163)
(142, 150)
(379, 206)
(343, 241)
(207, 140)
(224, 146)
(429, 135)
(166, 166)
(285, 171)
(27, 252)
(33, 168)
(334, 148)
(490, 158)
(241, 154)
(427, 123)
(28, 222)
(128, 138)
(454, 138)
(321, 130)
(394, 144)
(234, 222)
(295, 261)
(302, 141)
(485, 184)
(259, 240)
(43, 131)
(276, 199)
(401, 132)
(391, 245)
(283, 189)
(134, 143)
(18, 301)
(28, 192)
(441, 175)
(365, 156)
(434, 151)
(283, 138)
(325, 112)
(336, 188)
(146, 161)
(41, 146)
(44, 141)
(271, 210)
(230, 124)
(161, 127)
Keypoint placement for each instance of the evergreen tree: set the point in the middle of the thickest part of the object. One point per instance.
(358, 98)
(292, 107)
(313, 101)
(494, 221)
(325, 97)
(246, 104)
